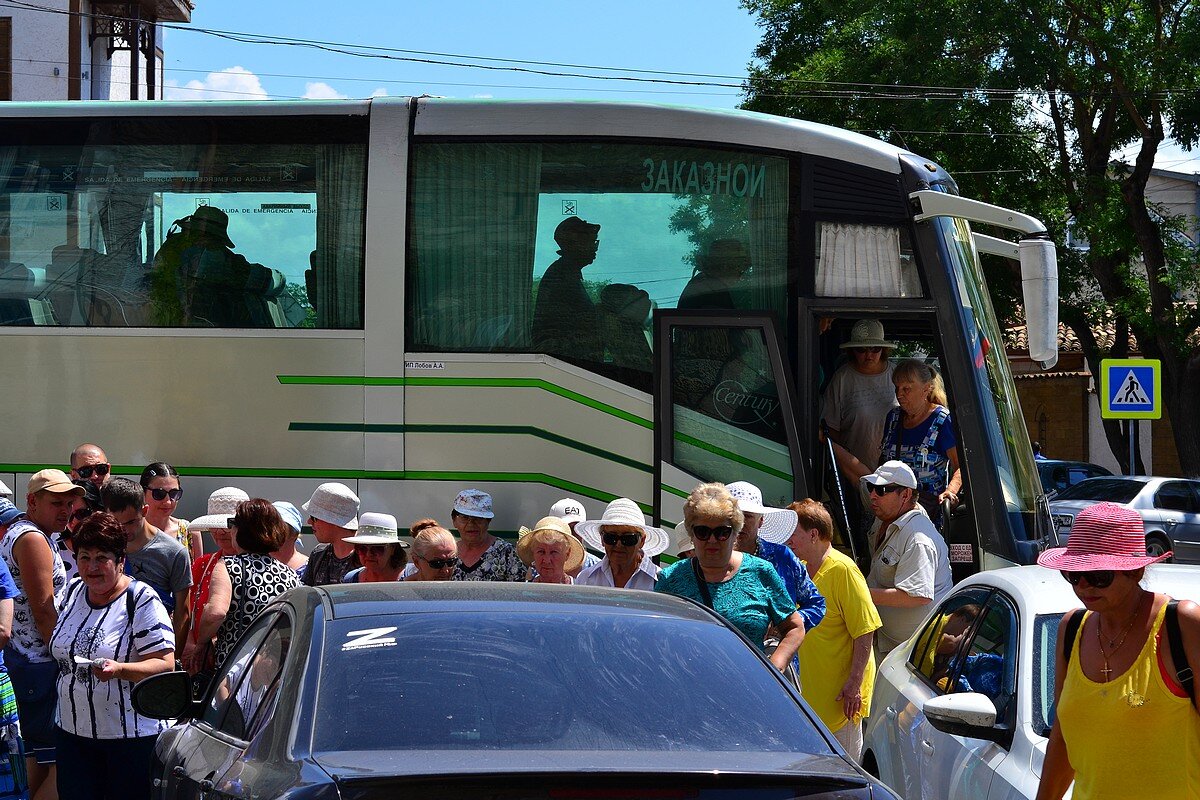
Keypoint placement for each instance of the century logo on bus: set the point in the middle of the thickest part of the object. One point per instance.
(732, 400)
(695, 177)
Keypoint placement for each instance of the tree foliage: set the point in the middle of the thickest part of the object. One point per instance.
(1025, 103)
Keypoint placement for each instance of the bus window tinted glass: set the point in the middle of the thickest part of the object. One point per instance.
(565, 249)
(188, 222)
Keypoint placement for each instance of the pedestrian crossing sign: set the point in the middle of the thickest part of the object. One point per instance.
(1131, 388)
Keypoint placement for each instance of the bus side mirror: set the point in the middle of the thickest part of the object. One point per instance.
(1039, 287)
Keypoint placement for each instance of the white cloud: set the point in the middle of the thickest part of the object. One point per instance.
(380, 92)
(321, 91)
(231, 83)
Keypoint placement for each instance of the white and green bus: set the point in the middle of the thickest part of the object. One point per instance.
(277, 294)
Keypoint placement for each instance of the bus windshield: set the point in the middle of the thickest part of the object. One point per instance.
(1001, 419)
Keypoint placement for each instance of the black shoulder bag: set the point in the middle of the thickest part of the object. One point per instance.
(701, 583)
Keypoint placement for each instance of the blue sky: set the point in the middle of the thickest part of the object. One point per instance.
(706, 36)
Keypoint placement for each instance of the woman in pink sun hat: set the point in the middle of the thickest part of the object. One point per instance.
(1127, 723)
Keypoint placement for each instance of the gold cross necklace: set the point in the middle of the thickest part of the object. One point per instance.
(1114, 644)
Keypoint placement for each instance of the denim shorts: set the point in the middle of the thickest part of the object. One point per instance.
(35, 684)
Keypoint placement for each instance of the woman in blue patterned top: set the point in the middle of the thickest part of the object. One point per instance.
(744, 589)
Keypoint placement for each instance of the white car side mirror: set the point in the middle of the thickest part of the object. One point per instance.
(968, 714)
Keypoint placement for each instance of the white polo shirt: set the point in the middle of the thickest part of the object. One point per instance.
(601, 575)
(913, 558)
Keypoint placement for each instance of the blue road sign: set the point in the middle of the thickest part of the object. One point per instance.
(1130, 388)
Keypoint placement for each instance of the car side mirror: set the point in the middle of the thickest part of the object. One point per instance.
(969, 714)
(167, 695)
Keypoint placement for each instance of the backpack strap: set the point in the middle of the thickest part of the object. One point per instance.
(701, 583)
(1183, 672)
(1073, 623)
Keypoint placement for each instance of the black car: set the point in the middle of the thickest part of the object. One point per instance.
(470, 690)
(1058, 475)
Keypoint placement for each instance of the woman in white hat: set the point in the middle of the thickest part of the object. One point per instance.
(628, 544)
(198, 654)
(379, 548)
(551, 550)
(860, 393)
(744, 589)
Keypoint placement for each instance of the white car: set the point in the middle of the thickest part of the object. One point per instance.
(963, 708)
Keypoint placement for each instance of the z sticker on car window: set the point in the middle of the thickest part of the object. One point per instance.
(369, 639)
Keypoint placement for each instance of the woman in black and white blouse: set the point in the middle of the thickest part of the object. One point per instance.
(244, 584)
(112, 632)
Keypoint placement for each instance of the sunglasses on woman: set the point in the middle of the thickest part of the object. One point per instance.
(378, 549)
(99, 469)
(1097, 578)
(704, 532)
(627, 539)
(163, 494)
(442, 563)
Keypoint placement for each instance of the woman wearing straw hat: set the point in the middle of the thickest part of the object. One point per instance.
(628, 544)
(1125, 725)
(744, 589)
(551, 549)
(379, 548)
(860, 394)
(435, 553)
(198, 654)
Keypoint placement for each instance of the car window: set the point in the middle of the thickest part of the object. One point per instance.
(1045, 637)
(1115, 490)
(1176, 496)
(986, 665)
(258, 689)
(505, 680)
(945, 634)
(225, 683)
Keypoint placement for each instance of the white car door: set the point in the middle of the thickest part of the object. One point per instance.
(984, 661)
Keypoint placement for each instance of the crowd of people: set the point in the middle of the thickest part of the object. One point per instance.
(102, 586)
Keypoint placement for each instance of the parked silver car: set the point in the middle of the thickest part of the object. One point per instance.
(1170, 510)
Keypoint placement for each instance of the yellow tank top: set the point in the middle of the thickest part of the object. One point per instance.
(1131, 737)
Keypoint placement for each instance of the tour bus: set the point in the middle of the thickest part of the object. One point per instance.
(276, 294)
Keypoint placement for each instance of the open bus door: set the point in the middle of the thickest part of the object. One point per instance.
(723, 409)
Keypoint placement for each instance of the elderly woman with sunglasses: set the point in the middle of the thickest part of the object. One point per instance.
(744, 589)
(435, 552)
(160, 484)
(379, 548)
(1125, 725)
(628, 544)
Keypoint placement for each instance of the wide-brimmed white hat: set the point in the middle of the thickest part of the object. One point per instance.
(5, 491)
(624, 511)
(867, 333)
(778, 524)
(375, 528)
(557, 525)
(222, 504)
(334, 503)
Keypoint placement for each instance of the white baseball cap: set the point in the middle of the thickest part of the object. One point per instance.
(568, 510)
(892, 472)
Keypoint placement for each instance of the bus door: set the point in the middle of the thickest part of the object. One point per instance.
(825, 328)
(723, 408)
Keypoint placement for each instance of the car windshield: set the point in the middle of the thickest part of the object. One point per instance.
(1115, 490)
(1045, 635)
(541, 681)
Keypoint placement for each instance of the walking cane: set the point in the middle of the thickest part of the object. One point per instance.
(837, 481)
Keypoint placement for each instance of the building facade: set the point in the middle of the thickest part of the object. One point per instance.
(85, 49)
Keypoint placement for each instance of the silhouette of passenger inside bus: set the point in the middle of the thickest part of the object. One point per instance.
(623, 311)
(717, 273)
(565, 318)
(198, 280)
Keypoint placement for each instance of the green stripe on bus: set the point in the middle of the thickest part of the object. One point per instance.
(674, 491)
(518, 430)
(723, 453)
(508, 383)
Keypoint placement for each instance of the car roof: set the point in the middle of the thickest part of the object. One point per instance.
(344, 601)
(1043, 591)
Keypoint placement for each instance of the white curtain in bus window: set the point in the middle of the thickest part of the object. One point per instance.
(172, 223)
(864, 261)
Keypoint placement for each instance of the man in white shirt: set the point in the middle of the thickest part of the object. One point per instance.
(910, 564)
